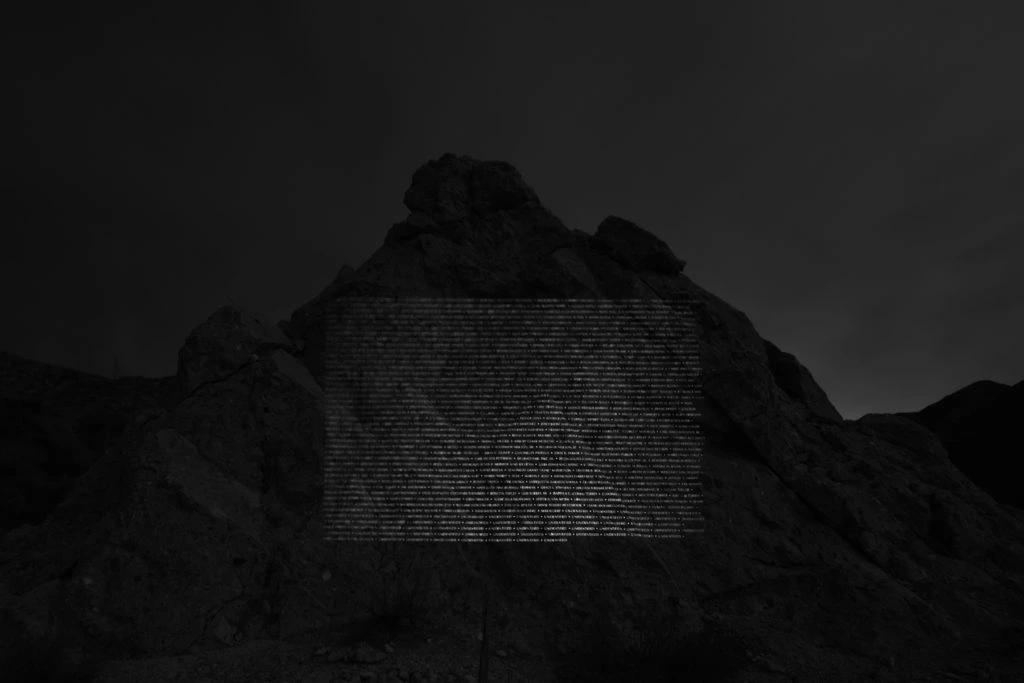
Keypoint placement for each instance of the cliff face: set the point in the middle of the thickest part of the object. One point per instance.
(834, 549)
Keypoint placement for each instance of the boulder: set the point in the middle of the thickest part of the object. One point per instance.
(454, 187)
(636, 248)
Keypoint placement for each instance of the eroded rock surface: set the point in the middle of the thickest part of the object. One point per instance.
(837, 549)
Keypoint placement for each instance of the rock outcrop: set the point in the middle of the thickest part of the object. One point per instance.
(978, 427)
(836, 550)
(54, 424)
(794, 379)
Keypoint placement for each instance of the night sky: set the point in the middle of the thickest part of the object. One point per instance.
(849, 174)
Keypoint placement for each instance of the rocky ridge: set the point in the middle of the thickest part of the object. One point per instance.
(977, 425)
(843, 550)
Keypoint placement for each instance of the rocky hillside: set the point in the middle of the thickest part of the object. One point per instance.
(184, 540)
(978, 428)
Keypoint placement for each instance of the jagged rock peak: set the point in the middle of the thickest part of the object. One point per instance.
(454, 187)
(472, 202)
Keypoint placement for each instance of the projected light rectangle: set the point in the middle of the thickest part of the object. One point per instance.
(511, 419)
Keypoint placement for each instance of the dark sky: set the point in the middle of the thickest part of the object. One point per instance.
(849, 174)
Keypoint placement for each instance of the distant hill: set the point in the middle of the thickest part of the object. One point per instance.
(979, 426)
